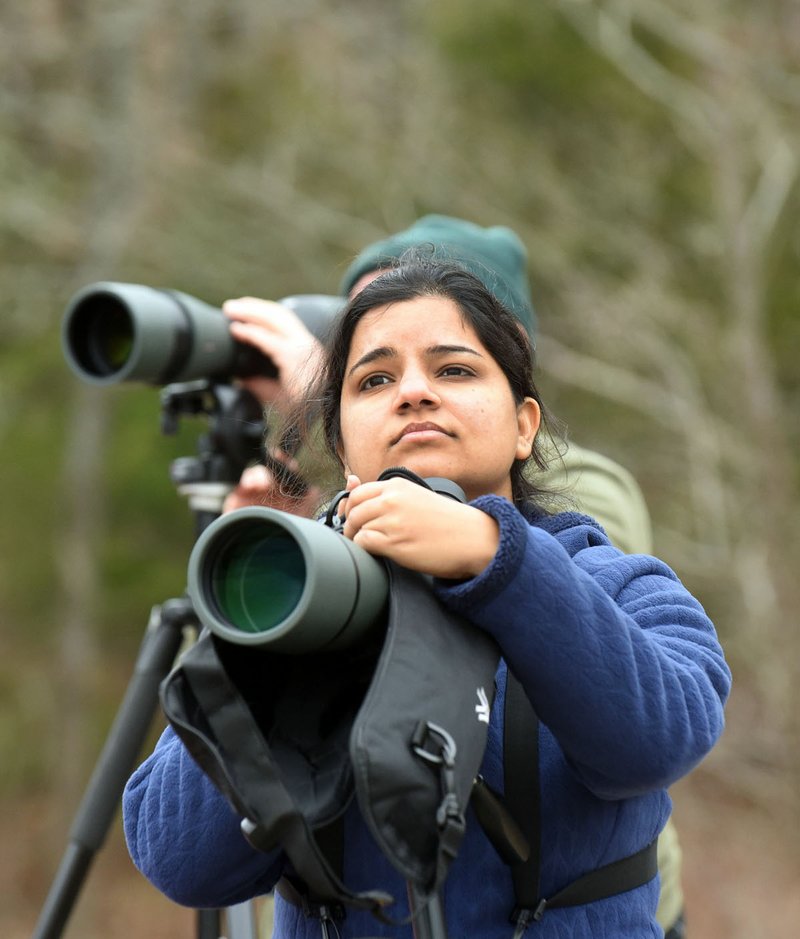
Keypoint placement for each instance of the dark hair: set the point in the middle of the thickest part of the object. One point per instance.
(417, 276)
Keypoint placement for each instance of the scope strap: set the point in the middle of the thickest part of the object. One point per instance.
(330, 843)
(523, 799)
(523, 802)
(522, 787)
(214, 722)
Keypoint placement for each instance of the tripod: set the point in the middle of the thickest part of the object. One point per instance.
(235, 438)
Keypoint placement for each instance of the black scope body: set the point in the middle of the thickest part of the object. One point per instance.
(116, 332)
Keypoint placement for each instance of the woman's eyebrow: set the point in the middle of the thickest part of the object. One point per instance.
(450, 349)
(382, 352)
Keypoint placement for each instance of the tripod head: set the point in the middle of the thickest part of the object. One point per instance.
(235, 438)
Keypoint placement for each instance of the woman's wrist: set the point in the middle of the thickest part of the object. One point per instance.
(481, 546)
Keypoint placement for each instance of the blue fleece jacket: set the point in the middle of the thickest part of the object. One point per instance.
(629, 681)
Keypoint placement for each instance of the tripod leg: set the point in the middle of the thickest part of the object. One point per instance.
(428, 913)
(241, 921)
(159, 647)
(208, 925)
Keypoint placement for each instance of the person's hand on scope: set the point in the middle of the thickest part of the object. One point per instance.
(278, 333)
(260, 485)
(419, 529)
(281, 335)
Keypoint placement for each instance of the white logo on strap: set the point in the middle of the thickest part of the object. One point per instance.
(482, 707)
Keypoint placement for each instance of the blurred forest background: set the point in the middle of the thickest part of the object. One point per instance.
(648, 154)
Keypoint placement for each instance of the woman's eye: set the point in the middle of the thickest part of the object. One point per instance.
(373, 381)
(455, 370)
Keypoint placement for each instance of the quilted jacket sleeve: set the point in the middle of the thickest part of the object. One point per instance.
(184, 837)
(619, 660)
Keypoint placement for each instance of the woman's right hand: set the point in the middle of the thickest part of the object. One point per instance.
(419, 529)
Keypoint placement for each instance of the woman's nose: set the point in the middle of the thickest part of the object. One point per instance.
(415, 390)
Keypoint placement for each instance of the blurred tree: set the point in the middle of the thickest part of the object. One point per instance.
(704, 68)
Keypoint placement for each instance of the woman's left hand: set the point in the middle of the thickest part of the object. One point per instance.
(419, 529)
(280, 335)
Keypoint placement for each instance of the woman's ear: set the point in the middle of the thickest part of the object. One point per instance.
(529, 416)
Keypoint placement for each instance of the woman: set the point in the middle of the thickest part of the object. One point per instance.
(427, 370)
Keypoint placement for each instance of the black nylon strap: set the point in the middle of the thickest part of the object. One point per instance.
(523, 799)
(617, 877)
(522, 789)
(230, 720)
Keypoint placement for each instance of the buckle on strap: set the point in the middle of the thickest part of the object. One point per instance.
(522, 917)
(449, 815)
(297, 895)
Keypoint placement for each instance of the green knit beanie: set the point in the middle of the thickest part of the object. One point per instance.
(496, 256)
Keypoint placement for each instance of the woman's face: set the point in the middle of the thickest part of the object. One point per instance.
(421, 390)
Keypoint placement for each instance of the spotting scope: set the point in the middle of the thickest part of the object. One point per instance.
(262, 577)
(115, 332)
(259, 576)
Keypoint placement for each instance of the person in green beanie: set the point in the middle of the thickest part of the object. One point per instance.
(494, 255)
(592, 482)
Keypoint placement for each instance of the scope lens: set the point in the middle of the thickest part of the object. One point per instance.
(101, 335)
(113, 340)
(258, 577)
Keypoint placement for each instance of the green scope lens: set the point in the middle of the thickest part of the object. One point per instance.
(112, 342)
(258, 577)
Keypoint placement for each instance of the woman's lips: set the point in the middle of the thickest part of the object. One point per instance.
(426, 429)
